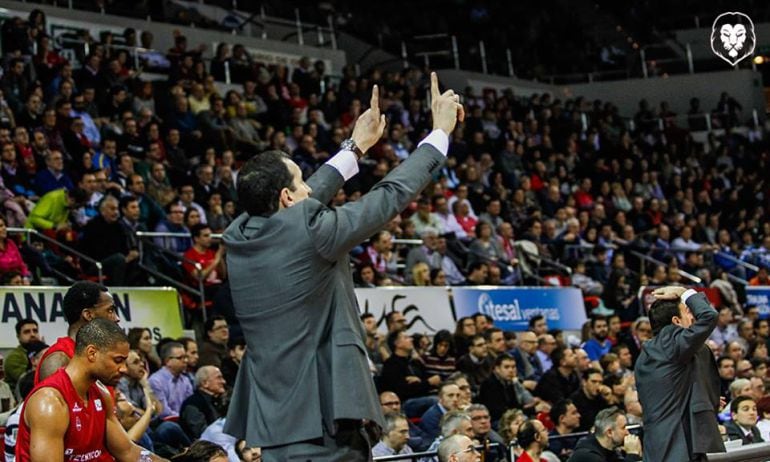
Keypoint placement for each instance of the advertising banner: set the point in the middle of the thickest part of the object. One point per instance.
(759, 296)
(511, 308)
(156, 308)
(426, 309)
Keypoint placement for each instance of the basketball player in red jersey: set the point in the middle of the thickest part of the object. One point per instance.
(69, 415)
(83, 302)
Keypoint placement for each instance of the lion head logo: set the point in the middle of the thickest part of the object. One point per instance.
(732, 37)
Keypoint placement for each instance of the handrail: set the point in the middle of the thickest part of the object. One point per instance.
(69, 249)
(419, 455)
(201, 293)
(756, 452)
(141, 234)
(681, 272)
(547, 260)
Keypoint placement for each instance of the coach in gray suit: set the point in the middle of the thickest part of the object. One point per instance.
(677, 381)
(304, 390)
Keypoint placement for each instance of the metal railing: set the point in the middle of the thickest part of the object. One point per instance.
(756, 452)
(143, 239)
(419, 455)
(646, 258)
(33, 232)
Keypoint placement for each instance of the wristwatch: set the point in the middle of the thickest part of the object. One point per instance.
(350, 145)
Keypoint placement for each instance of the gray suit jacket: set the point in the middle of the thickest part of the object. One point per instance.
(667, 375)
(290, 278)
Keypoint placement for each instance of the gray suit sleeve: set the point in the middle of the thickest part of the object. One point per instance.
(325, 183)
(688, 341)
(335, 232)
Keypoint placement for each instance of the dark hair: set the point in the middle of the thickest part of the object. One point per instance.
(661, 313)
(211, 321)
(589, 372)
(23, 323)
(527, 434)
(185, 340)
(475, 266)
(557, 355)
(236, 342)
(200, 451)
(492, 330)
(260, 182)
(595, 319)
(535, 319)
(135, 335)
(763, 406)
(737, 402)
(443, 336)
(503, 357)
(366, 316)
(165, 350)
(723, 359)
(196, 230)
(80, 296)
(559, 409)
(392, 338)
(125, 200)
(101, 333)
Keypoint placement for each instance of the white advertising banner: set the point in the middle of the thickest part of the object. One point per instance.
(426, 309)
(156, 308)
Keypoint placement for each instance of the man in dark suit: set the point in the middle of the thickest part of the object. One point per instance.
(676, 385)
(448, 400)
(743, 426)
(304, 389)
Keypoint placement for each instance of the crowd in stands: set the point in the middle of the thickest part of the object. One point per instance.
(91, 153)
(547, 395)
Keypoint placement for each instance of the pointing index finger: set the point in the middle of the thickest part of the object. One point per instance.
(374, 104)
(434, 92)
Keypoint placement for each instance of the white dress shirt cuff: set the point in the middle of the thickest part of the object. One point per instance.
(345, 162)
(687, 294)
(438, 139)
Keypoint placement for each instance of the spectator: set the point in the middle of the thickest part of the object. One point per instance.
(402, 374)
(502, 390)
(140, 339)
(236, 349)
(545, 346)
(458, 448)
(476, 364)
(214, 350)
(394, 437)
(566, 419)
(598, 345)
(590, 398)
(533, 439)
(441, 360)
(169, 384)
(105, 240)
(212, 269)
(17, 362)
(562, 380)
(610, 434)
(448, 400)
(743, 425)
(53, 176)
(11, 259)
(206, 404)
(527, 363)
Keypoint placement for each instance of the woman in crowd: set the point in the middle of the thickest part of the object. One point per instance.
(440, 360)
(140, 339)
(10, 257)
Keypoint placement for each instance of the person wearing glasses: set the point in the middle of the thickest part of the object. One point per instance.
(458, 448)
(169, 384)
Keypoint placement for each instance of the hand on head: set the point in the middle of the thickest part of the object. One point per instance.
(669, 292)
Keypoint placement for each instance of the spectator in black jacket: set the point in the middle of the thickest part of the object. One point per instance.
(403, 375)
(502, 390)
(590, 398)
(561, 380)
(609, 435)
(206, 404)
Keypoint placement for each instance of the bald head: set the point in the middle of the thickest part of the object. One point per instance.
(528, 342)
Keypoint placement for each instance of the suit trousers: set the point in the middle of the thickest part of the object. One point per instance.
(351, 443)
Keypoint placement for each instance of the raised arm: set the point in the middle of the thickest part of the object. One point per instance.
(691, 338)
(117, 440)
(337, 231)
(367, 132)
